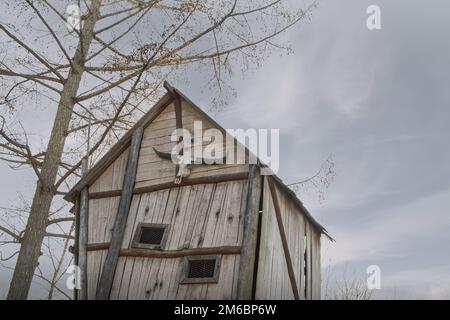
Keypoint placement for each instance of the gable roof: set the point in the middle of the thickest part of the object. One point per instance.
(124, 142)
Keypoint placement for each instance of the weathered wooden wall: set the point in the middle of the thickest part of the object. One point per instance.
(199, 216)
(112, 178)
(102, 213)
(272, 279)
(152, 170)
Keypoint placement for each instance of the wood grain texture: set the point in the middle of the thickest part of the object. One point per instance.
(153, 171)
(315, 265)
(250, 231)
(308, 279)
(109, 266)
(112, 177)
(206, 219)
(156, 253)
(272, 278)
(284, 241)
(82, 243)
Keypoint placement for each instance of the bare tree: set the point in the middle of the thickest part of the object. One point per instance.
(319, 182)
(102, 75)
(54, 255)
(345, 285)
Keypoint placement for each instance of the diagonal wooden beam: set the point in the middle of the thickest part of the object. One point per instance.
(287, 255)
(112, 257)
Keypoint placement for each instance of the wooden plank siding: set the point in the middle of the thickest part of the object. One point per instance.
(200, 216)
(152, 170)
(101, 219)
(272, 278)
(112, 178)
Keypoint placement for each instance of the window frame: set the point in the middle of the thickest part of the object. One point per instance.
(185, 270)
(138, 232)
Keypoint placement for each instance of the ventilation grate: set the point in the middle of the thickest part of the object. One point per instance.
(201, 268)
(151, 235)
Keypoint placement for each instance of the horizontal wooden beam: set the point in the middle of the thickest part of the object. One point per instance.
(194, 181)
(150, 253)
(105, 194)
(168, 185)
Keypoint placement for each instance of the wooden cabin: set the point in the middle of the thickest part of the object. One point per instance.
(223, 232)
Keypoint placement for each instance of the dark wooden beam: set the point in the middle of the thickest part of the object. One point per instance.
(284, 241)
(194, 181)
(83, 236)
(250, 232)
(74, 250)
(112, 257)
(178, 113)
(105, 194)
(185, 182)
(152, 253)
(98, 246)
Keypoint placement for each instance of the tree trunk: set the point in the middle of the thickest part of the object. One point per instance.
(31, 243)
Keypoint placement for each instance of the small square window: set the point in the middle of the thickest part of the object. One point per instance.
(201, 269)
(150, 236)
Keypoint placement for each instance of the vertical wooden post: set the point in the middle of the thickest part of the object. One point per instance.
(178, 114)
(315, 264)
(308, 275)
(83, 235)
(112, 257)
(76, 245)
(284, 242)
(248, 251)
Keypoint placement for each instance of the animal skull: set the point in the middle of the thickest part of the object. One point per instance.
(182, 169)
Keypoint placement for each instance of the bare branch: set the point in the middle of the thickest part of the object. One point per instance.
(11, 234)
(37, 56)
(58, 220)
(58, 235)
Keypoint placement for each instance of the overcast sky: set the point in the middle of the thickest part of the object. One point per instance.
(378, 101)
